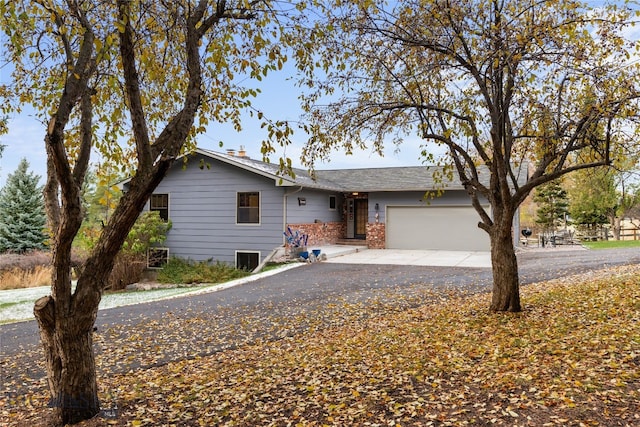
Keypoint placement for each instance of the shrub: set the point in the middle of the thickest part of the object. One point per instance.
(179, 270)
(17, 278)
(27, 261)
(130, 264)
(149, 230)
(29, 269)
(127, 269)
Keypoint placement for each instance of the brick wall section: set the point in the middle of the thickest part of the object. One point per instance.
(322, 233)
(375, 235)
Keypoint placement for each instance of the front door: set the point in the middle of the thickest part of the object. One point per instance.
(361, 218)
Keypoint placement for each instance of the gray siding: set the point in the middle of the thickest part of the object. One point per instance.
(414, 198)
(202, 209)
(316, 207)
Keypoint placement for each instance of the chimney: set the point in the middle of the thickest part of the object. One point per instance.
(231, 151)
(242, 152)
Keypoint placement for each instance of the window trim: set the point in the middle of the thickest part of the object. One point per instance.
(250, 224)
(159, 248)
(151, 209)
(237, 252)
(335, 202)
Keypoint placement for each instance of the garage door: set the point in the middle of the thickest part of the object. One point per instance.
(435, 227)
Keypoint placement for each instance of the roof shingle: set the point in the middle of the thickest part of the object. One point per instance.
(411, 178)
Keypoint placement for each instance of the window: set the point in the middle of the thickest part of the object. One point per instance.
(157, 257)
(160, 203)
(248, 208)
(332, 203)
(247, 260)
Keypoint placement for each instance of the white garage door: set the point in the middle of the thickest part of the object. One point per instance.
(435, 227)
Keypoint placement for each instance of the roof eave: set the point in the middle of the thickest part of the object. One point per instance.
(280, 181)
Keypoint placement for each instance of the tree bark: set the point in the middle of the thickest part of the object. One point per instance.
(66, 318)
(616, 226)
(506, 283)
(70, 363)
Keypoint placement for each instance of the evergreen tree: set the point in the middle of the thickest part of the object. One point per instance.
(22, 213)
(552, 204)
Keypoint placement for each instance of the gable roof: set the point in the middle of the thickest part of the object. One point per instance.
(411, 178)
(271, 170)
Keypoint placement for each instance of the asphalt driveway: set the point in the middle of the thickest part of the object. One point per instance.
(312, 296)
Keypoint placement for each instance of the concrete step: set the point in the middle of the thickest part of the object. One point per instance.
(352, 242)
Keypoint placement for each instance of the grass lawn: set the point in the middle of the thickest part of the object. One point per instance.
(572, 358)
(608, 244)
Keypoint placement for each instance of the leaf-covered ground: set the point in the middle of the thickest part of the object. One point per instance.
(572, 358)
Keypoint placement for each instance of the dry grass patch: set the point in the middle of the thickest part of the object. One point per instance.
(18, 278)
(25, 270)
(29, 270)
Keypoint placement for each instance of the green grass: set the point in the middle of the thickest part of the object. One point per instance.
(179, 270)
(4, 305)
(609, 244)
(275, 265)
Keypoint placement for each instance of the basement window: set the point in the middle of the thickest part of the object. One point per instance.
(247, 260)
(157, 257)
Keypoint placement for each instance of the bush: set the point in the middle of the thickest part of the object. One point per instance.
(29, 269)
(17, 278)
(178, 270)
(130, 264)
(27, 261)
(148, 231)
(127, 269)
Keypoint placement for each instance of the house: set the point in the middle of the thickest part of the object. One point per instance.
(235, 209)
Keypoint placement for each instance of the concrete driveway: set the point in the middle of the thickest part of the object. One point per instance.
(433, 258)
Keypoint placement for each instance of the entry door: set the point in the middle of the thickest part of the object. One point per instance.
(362, 215)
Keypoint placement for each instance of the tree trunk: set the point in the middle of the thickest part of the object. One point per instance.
(506, 283)
(70, 363)
(616, 226)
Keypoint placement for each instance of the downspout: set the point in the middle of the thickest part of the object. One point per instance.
(284, 225)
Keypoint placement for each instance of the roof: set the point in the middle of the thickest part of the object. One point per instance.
(271, 170)
(412, 178)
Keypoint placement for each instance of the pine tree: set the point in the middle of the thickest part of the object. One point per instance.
(22, 214)
(552, 204)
